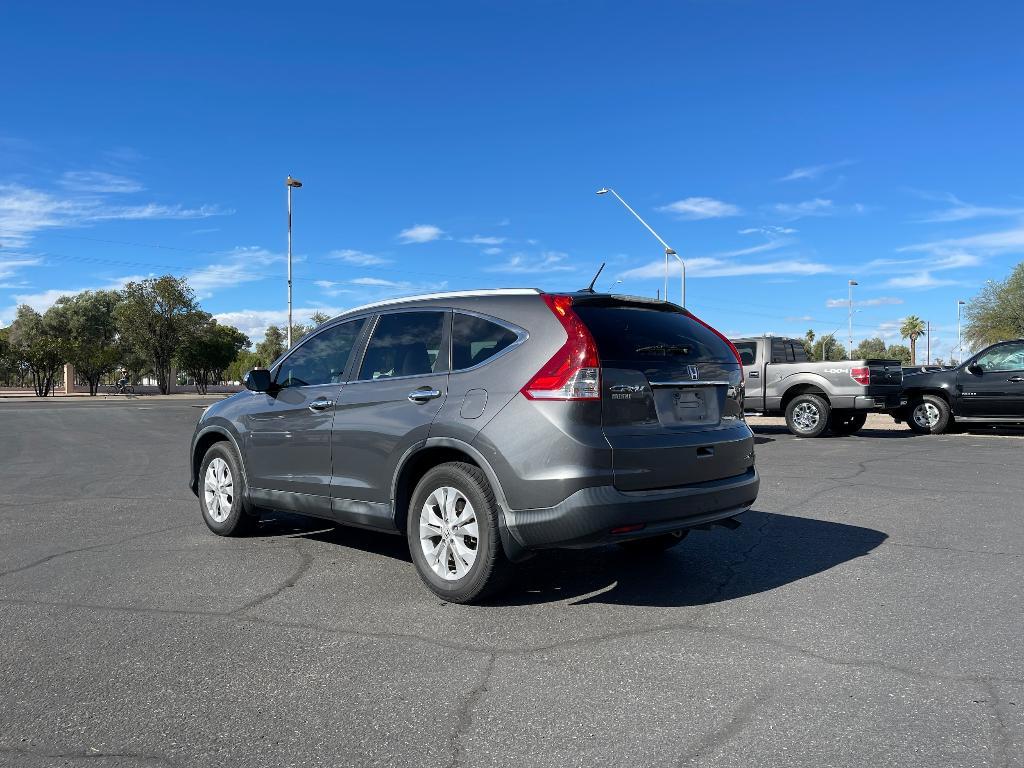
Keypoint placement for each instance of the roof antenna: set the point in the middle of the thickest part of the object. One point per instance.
(590, 288)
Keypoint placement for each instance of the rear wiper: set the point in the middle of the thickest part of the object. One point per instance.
(665, 349)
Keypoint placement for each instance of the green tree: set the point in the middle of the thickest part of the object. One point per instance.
(898, 352)
(157, 316)
(318, 319)
(912, 328)
(833, 350)
(868, 349)
(38, 344)
(808, 342)
(997, 313)
(244, 362)
(92, 339)
(207, 353)
(272, 346)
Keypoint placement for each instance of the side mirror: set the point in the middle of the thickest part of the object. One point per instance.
(258, 380)
(975, 368)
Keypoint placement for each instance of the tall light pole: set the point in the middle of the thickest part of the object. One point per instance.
(959, 334)
(291, 184)
(669, 250)
(849, 350)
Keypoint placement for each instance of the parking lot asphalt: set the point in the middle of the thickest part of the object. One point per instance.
(867, 612)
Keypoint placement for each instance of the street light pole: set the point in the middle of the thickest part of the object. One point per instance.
(849, 350)
(669, 250)
(959, 334)
(291, 184)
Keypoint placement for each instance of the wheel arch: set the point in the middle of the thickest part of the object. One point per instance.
(203, 441)
(922, 391)
(803, 389)
(432, 452)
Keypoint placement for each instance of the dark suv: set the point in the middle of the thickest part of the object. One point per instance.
(988, 388)
(488, 424)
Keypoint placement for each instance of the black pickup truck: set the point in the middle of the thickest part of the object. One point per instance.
(987, 388)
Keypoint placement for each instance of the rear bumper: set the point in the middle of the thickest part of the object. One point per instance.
(587, 517)
(869, 402)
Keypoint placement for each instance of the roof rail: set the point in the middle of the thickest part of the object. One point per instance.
(446, 295)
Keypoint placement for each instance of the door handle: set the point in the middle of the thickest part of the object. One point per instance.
(423, 395)
(321, 404)
(754, 375)
(1016, 379)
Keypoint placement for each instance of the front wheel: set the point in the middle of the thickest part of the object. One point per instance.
(807, 415)
(847, 423)
(221, 490)
(453, 534)
(930, 415)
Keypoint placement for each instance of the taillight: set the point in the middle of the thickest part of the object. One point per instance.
(719, 334)
(861, 375)
(574, 371)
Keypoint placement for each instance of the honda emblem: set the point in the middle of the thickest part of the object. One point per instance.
(694, 373)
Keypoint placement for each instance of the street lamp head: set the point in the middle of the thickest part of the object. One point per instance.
(854, 282)
(290, 182)
(962, 303)
(603, 191)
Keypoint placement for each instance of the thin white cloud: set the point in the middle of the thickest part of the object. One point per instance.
(484, 240)
(696, 208)
(816, 207)
(10, 266)
(357, 258)
(522, 264)
(420, 233)
(811, 172)
(881, 301)
(919, 281)
(99, 182)
(989, 243)
(492, 251)
(155, 211)
(768, 231)
(958, 210)
(244, 264)
(254, 322)
(709, 266)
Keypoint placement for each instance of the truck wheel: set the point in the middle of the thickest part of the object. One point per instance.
(930, 415)
(807, 415)
(847, 423)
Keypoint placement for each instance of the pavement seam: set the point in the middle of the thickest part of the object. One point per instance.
(736, 724)
(464, 717)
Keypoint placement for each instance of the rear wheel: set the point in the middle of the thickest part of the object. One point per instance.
(654, 544)
(930, 415)
(453, 534)
(847, 423)
(807, 415)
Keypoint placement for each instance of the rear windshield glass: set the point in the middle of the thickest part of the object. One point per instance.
(634, 333)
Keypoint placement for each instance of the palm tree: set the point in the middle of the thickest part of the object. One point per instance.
(913, 326)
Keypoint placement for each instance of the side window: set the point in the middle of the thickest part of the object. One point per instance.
(790, 353)
(778, 351)
(475, 340)
(748, 351)
(404, 344)
(799, 353)
(1008, 357)
(321, 359)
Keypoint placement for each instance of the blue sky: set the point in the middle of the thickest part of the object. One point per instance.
(781, 148)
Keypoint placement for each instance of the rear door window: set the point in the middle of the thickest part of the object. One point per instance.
(476, 340)
(748, 351)
(405, 344)
(1008, 357)
(635, 333)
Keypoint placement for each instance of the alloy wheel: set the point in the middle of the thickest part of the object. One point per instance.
(926, 415)
(806, 417)
(218, 490)
(449, 534)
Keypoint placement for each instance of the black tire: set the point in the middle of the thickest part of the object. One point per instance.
(236, 522)
(847, 423)
(490, 569)
(808, 415)
(929, 415)
(652, 545)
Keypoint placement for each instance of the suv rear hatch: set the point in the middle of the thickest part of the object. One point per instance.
(671, 392)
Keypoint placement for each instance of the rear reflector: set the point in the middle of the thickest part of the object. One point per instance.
(861, 375)
(573, 372)
(627, 528)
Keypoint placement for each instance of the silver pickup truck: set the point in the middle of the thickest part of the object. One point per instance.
(835, 395)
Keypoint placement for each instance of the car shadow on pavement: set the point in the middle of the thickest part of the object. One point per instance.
(770, 429)
(768, 551)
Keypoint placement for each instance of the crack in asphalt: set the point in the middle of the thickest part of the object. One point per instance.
(735, 725)
(91, 547)
(304, 565)
(86, 754)
(464, 717)
(1002, 736)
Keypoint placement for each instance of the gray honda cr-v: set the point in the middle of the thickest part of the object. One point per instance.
(486, 425)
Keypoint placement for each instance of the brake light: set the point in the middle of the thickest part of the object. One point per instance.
(719, 334)
(574, 371)
(861, 375)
